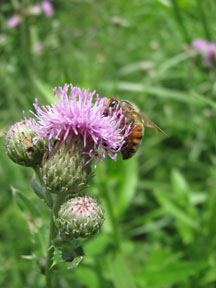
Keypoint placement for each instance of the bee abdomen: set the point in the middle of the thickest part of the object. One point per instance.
(139, 137)
(131, 149)
(127, 153)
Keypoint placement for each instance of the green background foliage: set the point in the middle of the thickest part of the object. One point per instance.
(160, 206)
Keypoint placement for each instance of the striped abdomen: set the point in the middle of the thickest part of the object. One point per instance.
(133, 141)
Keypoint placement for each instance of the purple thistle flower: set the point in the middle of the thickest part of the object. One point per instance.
(200, 44)
(14, 21)
(77, 116)
(47, 8)
(208, 50)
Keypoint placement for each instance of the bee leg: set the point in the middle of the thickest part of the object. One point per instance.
(127, 139)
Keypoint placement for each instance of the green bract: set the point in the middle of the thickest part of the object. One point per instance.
(65, 171)
(79, 217)
(20, 147)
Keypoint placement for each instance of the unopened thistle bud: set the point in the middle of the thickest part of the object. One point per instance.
(20, 147)
(79, 217)
(66, 171)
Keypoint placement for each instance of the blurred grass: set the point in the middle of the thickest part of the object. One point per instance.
(160, 206)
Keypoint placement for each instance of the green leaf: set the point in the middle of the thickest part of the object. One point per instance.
(182, 193)
(119, 271)
(164, 267)
(23, 202)
(97, 244)
(179, 184)
(174, 273)
(128, 187)
(68, 251)
(182, 199)
(209, 277)
(57, 257)
(177, 212)
(75, 263)
(88, 277)
(34, 222)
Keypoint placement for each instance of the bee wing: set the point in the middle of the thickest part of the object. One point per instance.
(148, 123)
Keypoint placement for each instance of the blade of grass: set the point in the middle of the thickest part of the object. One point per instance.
(180, 21)
(203, 18)
(156, 91)
(174, 61)
(203, 99)
(45, 89)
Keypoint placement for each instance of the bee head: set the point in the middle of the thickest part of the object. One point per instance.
(111, 104)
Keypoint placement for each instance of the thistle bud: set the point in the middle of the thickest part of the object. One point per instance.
(20, 147)
(65, 171)
(79, 217)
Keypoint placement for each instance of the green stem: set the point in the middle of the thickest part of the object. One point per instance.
(47, 195)
(180, 20)
(50, 252)
(52, 236)
(54, 205)
(37, 172)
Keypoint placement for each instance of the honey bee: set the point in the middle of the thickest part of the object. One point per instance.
(137, 122)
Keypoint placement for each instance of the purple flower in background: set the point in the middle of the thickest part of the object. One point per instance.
(14, 21)
(47, 8)
(78, 116)
(207, 48)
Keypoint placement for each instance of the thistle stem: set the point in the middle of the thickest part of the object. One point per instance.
(47, 195)
(50, 252)
(54, 207)
(49, 199)
(37, 172)
(52, 236)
